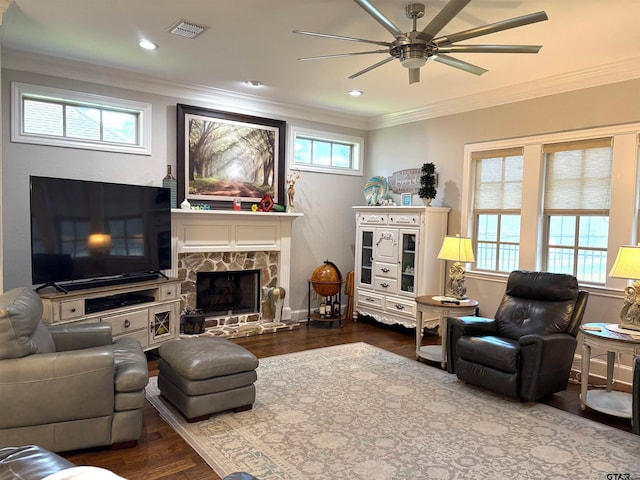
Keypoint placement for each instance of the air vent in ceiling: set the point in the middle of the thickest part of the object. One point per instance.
(182, 28)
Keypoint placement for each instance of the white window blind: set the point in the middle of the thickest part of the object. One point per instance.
(578, 176)
(498, 180)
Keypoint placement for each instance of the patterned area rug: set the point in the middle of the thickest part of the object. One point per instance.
(358, 412)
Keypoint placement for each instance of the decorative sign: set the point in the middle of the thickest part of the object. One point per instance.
(405, 181)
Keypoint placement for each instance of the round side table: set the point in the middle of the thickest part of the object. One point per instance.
(604, 336)
(433, 313)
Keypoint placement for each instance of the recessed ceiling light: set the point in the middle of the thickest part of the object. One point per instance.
(355, 93)
(147, 45)
(253, 83)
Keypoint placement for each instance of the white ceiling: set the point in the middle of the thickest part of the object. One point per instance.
(585, 42)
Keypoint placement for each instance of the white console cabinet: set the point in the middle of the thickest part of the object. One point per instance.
(148, 311)
(396, 250)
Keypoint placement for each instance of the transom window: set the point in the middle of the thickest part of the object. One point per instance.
(326, 152)
(55, 117)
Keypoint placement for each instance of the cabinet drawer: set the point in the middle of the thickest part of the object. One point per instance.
(128, 322)
(168, 292)
(388, 270)
(400, 306)
(387, 285)
(404, 219)
(370, 299)
(71, 309)
(372, 218)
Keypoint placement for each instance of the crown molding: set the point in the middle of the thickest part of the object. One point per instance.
(204, 96)
(591, 77)
(241, 103)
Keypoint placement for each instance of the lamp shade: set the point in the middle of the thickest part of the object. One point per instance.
(627, 264)
(457, 249)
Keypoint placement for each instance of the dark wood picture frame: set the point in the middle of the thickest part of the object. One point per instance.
(223, 156)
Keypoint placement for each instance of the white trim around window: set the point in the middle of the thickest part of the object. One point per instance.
(623, 212)
(142, 111)
(356, 143)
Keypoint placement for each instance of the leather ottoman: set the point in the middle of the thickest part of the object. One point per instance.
(205, 375)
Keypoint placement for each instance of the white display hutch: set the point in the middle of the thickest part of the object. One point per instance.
(396, 250)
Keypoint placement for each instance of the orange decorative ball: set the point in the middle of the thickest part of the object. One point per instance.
(326, 279)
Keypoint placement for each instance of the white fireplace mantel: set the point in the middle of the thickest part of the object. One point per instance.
(202, 231)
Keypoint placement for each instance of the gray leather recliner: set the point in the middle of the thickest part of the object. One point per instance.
(66, 387)
(527, 349)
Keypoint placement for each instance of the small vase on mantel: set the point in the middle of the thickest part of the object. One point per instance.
(427, 201)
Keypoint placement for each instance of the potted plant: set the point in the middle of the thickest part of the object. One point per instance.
(427, 190)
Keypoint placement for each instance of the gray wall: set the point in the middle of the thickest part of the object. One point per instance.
(326, 231)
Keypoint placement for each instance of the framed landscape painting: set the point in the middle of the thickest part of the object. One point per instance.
(223, 156)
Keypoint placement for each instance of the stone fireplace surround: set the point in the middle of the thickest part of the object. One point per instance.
(213, 240)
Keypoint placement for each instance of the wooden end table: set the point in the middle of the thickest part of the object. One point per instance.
(433, 313)
(604, 336)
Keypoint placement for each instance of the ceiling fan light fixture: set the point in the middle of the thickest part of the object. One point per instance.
(415, 62)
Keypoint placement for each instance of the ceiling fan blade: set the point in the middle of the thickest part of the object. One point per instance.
(414, 75)
(380, 18)
(443, 17)
(488, 49)
(339, 37)
(338, 55)
(368, 69)
(454, 62)
(491, 28)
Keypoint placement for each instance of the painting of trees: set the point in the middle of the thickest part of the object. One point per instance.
(222, 156)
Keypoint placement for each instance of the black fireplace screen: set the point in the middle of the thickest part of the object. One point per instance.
(228, 292)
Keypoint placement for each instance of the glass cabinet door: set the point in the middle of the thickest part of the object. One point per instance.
(408, 262)
(366, 257)
(162, 322)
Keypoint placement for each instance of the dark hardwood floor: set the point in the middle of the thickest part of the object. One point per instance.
(162, 454)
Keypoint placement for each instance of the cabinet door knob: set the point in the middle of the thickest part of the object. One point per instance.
(385, 270)
(73, 310)
(369, 299)
(399, 307)
(384, 285)
(127, 324)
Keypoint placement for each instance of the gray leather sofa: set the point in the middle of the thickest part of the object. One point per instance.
(66, 387)
(34, 463)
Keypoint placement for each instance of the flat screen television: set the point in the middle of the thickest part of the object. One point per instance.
(85, 233)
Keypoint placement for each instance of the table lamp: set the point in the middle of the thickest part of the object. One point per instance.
(627, 265)
(457, 249)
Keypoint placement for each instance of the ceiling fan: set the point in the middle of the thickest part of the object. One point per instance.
(414, 48)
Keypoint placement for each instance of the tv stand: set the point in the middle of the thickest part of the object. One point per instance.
(147, 310)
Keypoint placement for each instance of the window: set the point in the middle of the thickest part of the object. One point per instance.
(326, 152)
(496, 208)
(579, 194)
(576, 208)
(49, 116)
